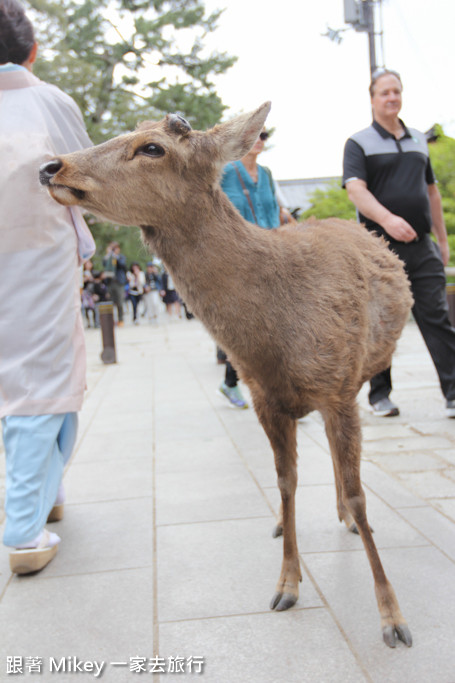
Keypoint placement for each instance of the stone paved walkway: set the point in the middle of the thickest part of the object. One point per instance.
(166, 543)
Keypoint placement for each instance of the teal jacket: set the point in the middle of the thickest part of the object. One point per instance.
(262, 194)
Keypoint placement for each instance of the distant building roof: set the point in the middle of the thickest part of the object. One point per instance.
(297, 193)
(432, 135)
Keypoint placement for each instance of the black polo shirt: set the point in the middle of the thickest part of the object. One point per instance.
(397, 173)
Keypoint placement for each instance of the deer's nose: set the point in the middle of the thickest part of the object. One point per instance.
(48, 170)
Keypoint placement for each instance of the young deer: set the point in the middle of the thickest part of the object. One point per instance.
(306, 314)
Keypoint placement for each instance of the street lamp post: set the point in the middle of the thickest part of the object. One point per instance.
(360, 15)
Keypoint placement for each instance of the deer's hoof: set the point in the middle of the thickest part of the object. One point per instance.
(401, 631)
(282, 601)
(278, 531)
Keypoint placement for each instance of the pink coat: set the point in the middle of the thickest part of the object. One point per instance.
(42, 351)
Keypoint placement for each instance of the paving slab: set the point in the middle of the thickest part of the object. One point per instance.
(90, 482)
(124, 531)
(446, 454)
(227, 493)
(429, 484)
(412, 443)
(108, 447)
(387, 486)
(409, 461)
(434, 526)
(445, 505)
(204, 579)
(424, 581)
(104, 616)
(206, 453)
(302, 646)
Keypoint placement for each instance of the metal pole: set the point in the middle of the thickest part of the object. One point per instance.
(369, 20)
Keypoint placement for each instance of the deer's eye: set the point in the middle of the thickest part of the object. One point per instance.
(151, 150)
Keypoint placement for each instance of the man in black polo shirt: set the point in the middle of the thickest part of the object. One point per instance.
(388, 176)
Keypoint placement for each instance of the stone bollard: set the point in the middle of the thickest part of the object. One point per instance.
(106, 313)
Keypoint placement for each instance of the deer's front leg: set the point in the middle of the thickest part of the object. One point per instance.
(287, 590)
(281, 431)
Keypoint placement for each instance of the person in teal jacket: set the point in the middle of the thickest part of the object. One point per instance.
(251, 189)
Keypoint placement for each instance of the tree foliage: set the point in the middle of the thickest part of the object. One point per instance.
(331, 201)
(127, 60)
(442, 154)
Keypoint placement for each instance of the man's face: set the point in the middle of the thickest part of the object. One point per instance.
(386, 100)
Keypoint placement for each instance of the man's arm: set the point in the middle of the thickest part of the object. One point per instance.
(438, 226)
(369, 206)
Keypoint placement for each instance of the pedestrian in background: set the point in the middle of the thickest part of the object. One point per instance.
(170, 295)
(251, 189)
(114, 264)
(136, 282)
(42, 245)
(152, 292)
(388, 176)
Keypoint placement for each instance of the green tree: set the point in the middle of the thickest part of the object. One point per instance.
(130, 60)
(124, 61)
(442, 154)
(330, 201)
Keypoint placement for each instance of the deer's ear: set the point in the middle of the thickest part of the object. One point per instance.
(236, 137)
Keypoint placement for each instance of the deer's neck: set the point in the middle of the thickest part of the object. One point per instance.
(214, 258)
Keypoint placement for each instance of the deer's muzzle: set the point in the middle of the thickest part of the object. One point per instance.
(48, 171)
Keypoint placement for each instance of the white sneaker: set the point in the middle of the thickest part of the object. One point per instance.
(233, 395)
(385, 408)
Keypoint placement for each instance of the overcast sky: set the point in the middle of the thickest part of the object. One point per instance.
(318, 89)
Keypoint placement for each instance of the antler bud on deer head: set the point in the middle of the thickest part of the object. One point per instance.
(178, 124)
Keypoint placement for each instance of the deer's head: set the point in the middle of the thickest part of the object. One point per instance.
(138, 176)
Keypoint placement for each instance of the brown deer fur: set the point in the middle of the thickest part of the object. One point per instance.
(306, 314)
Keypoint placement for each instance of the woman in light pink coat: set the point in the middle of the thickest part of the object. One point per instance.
(42, 352)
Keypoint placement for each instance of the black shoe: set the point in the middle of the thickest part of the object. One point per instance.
(385, 408)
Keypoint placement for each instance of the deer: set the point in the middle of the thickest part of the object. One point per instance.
(306, 314)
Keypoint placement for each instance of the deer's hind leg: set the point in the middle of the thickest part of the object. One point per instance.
(343, 431)
(281, 431)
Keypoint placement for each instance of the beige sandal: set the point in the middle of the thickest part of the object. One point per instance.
(31, 560)
(56, 514)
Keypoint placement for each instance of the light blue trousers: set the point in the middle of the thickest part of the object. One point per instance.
(37, 447)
